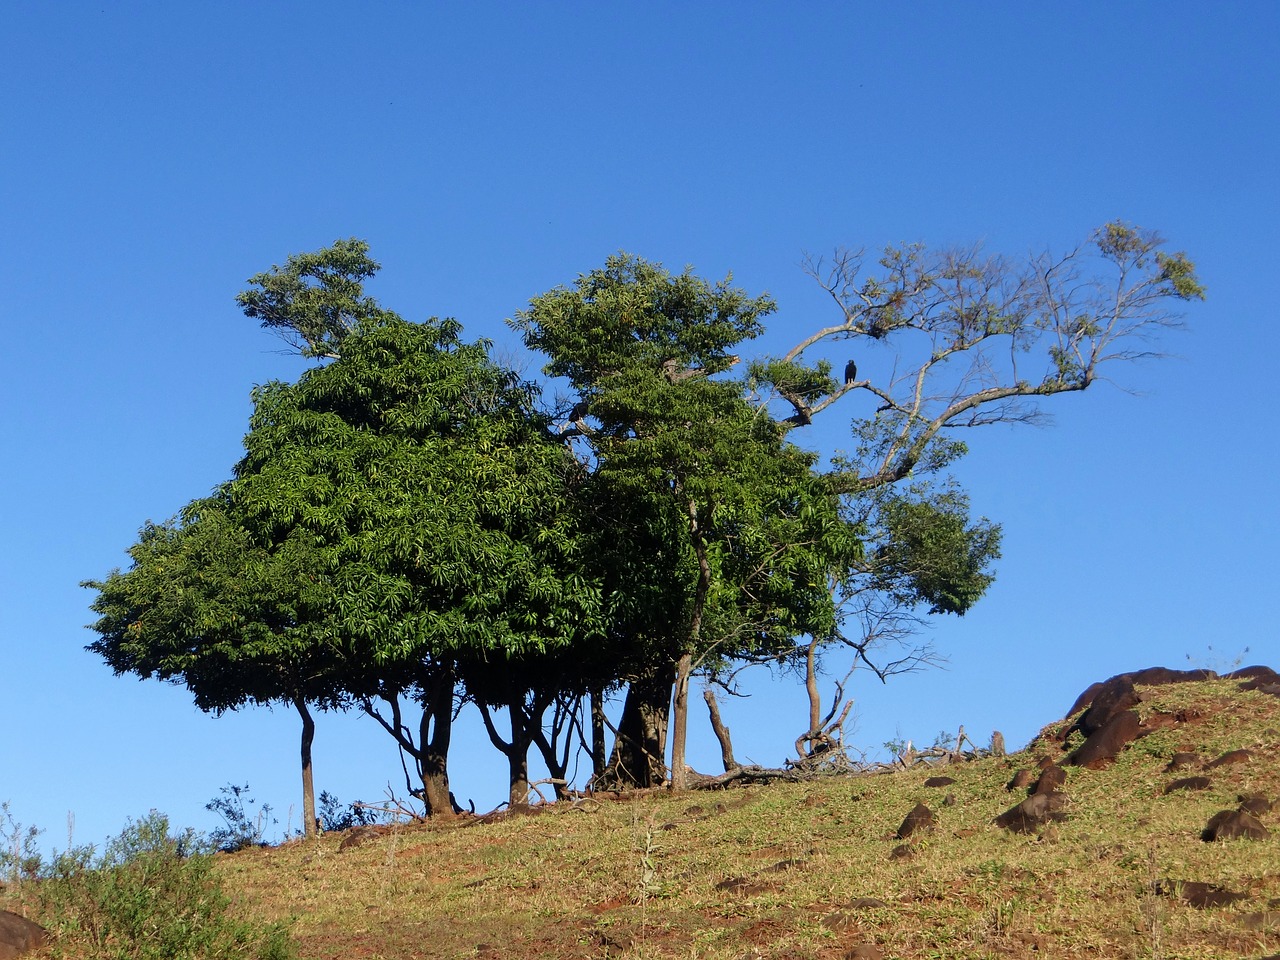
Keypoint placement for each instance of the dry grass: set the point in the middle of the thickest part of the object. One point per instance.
(777, 871)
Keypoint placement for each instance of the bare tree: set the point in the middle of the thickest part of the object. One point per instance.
(971, 340)
(979, 339)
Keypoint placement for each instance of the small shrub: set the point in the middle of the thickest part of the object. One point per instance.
(148, 896)
(335, 817)
(19, 856)
(244, 827)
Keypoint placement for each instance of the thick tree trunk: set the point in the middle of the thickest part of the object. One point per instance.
(309, 826)
(430, 750)
(433, 760)
(641, 743)
(435, 731)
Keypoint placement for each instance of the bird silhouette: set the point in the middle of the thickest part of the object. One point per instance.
(850, 372)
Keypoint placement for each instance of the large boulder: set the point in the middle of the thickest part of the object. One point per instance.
(919, 820)
(19, 935)
(1122, 684)
(1105, 743)
(1233, 824)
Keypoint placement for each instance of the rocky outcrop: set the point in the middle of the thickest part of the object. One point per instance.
(18, 935)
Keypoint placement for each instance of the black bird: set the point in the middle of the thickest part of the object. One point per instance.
(850, 372)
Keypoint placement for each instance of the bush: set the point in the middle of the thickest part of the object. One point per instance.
(149, 896)
(244, 828)
(19, 851)
(334, 817)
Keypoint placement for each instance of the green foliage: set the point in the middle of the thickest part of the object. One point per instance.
(316, 299)
(633, 315)
(242, 826)
(149, 895)
(716, 534)
(335, 817)
(932, 555)
(20, 857)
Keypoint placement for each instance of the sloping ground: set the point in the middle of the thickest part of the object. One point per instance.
(811, 870)
(1114, 869)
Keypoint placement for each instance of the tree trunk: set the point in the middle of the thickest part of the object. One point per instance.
(309, 826)
(721, 731)
(518, 757)
(641, 742)
(430, 751)
(680, 724)
(516, 750)
(597, 735)
(433, 759)
(566, 717)
(684, 669)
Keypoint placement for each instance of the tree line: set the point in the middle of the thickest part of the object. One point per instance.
(414, 525)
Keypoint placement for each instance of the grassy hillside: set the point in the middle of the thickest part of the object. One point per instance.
(810, 871)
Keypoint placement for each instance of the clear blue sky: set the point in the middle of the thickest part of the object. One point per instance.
(154, 156)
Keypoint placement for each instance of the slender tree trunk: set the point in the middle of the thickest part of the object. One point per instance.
(721, 731)
(516, 750)
(566, 717)
(309, 829)
(684, 669)
(811, 688)
(680, 724)
(597, 735)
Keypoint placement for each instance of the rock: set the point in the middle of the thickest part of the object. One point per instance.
(1253, 677)
(1230, 824)
(1105, 743)
(1022, 778)
(939, 781)
(1183, 760)
(1033, 813)
(1113, 698)
(1200, 895)
(1230, 757)
(919, 820)
(1122, 684)
(1188, 783)
(1160, 676)
(19, 935)
(784, 865)
(744, 886)
(1254, 803)
(1268, 920)
(1051, 778)
(358, 836)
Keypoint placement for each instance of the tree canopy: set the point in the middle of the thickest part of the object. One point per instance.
(412, 526)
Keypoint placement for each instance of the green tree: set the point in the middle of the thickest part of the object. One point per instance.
(950, 339)
(397, 509)
(719, 537)
(206, 606)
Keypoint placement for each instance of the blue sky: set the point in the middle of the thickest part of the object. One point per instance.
(154, 156)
